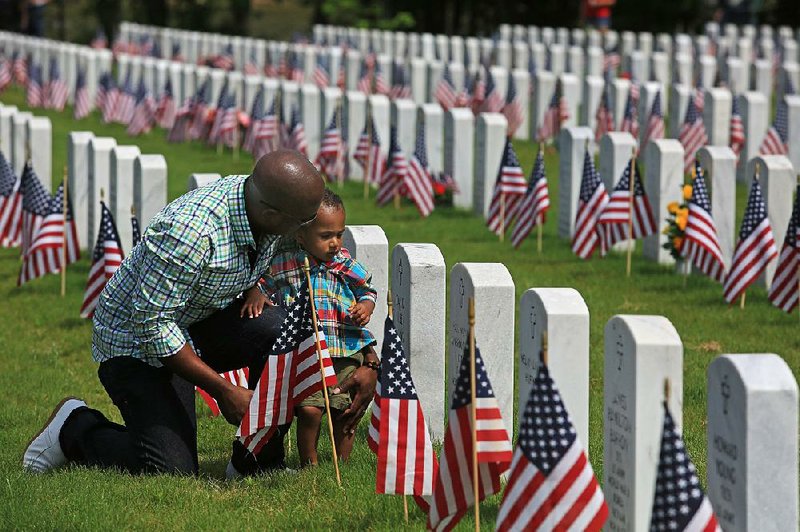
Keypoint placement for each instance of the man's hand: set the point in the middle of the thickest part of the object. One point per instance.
(234, 404)
(361, 312)
(362, 381)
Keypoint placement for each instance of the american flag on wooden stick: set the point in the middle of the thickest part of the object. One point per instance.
(400, 87)
(618, 215)
(630, 120)
(34, 93)
(737, 129)
(46, 253)
(453, 492)
(256, 115)
(143, 112)
(776, 142)
(445, 92)
(701, 243)
(322, 71)
(5, 73)
(330, 158)
(82, 107)
(394, 172)
(679, 502)
(534, 205)
(125, 102)
(551, 485)
(692, 135)
(291, 374)
(106, 258)
(557, 112)
(604, 116)
(57, 90)
(368, 152)
(755, 249)
(655, 124)
(509, 189)
(399, 434)
(381, 83)
(10, 206)
(592, 201)
(165, 109)
(251, 64)
(106, 97)
(783, 292)
(417, 184)
(296, 137)
(493, 101)
(35, 206)
(513, 108)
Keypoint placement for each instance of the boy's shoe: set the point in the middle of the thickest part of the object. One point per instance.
(44, 450)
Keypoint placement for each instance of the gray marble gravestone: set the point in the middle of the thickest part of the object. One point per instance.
(149, 187)
(641, 353)
(459, 145)
(78, 182)
(418, 294)
(368, 245)
(719, 163)
(572, 143)
(492, 287)
(200, 180)
(120, 195)
(99, 182)
(753, 443)
(563, 314)
(522, 81)
(39, 136)
(663, 180)
(490, 141)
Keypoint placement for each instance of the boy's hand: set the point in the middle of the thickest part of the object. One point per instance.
(361, 312)
(254, 302)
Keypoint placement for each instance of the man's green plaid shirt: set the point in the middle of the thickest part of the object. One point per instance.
(192, 261)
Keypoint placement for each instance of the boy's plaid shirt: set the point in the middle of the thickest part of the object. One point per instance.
(336, 285)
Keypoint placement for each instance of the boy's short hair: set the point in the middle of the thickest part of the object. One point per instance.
(331, 200)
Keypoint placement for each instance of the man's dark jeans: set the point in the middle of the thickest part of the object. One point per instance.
(160, 431)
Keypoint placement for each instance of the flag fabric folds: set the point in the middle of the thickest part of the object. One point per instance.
(509, 189)
(453, 493)
(417, 185)
(106, 258)
(592, 202)
(512, 108)
(394, 172)
(82, 107)
(35, 206)
(692, 135)
(655, 124)
(619, 216)
(679, 502)
(776, 142)
(737, 128)
(10, 205)
(783, 292)
(368, 152)
(755, 249)
(534, 205)
(604, 117)
(331, 159)
(557, 112)
(630, 120)
(551, 485)
(701, 243)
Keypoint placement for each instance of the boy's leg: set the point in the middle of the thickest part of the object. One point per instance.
(309, 420)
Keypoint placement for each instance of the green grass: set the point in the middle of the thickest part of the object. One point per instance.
(46, 356)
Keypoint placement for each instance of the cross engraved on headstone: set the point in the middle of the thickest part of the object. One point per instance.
(461, 292)
(533, 324)
(400, 272)
(619, 352)
(725, 390)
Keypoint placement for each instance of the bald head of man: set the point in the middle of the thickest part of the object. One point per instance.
(283, 193)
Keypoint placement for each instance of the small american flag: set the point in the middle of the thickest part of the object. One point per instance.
(692, 135)
(557, 112)
(229, 123)
(57, 90)
(20, 68)
(417, 184)
(45, 253)
(35, 205)
(322, 76)
(534, 205)
(176, 52)
(297, 133)
(615, 220)
(755, 249)
(611, 62)
(492, 101)
(256, 115)
(630, 120)
(136, 231)
(199, 126)
(5, 72)
(784, 289)
(701, 244)
(291, 374)
(293, 70)
(737, 129)
(400, 88)
(125, 102)
(445, 92)
(143, 111)
(165, 110)
(225, 59)
(777, 140)
(251, 65)
(270, 70)
(368, 152)
(699, 97)
(34, 91)
(512, 108)
(477, 92)
(510, 187)
(81, 108)
(655, 125)
(551, 485)
(679, 502)
(266, 132)
(604, 117)
(407, 464)
(453, 494)
(365, 80)
(106, 97)
(592, 202)
(10, 206)
(106, 258)
(394, 173)
(219, 115)
(331, 147)
(381, 84)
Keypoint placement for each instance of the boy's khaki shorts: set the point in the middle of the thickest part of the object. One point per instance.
(344, 367)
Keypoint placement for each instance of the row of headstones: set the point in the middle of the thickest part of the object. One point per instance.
(663, 179)
(752, 399)
(24, 135)
(70, 58)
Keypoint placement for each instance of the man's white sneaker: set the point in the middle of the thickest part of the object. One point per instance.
(231, 473)
(44, 451)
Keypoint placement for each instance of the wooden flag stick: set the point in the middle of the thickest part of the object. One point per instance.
(667, 390)
(741, 300)
(369, 154)
(64, 238)
(631, 242)
(307, 270)
(545, 353)
(539, 238)
(474, 402)
(502, 216)
(798, 288)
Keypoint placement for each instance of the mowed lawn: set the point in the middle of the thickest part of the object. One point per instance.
(45, 356)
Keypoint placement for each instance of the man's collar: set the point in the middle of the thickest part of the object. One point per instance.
(240, 225)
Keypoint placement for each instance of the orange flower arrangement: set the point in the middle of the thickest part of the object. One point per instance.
(676, 223)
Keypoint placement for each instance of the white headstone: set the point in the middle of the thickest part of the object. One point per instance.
(381, 114)
(755, 119)
(201, 180)
(459, 146)
(404, 118)
(717, 116)
(616, 149)
(40, 138)
(682, 70)
(594, 61)
(659, 64)
(492, 287)
(418, 293)
(571, 92)
(664, 177)
(19, 136)
(763, 77)
(592, 93)
(640, 66)
(563, 314)
(310, 115)
(78, 182)
(793, 119)
(641, 352)
(679, 103)
(737, 78)
(647, 95)
(355, 110)
(522, 80)
(707, 70)
(752, 442)
(369, 246)
(7, 113)
(418, 69)
(620, 88)
(490, 141)
(558, 59)
(544, 85)
(99, 185)
(149, 186)
(120, 196)
(719, 162)
(431, 117)
(572, 142)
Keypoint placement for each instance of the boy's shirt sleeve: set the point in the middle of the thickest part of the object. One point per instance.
(357, 278)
